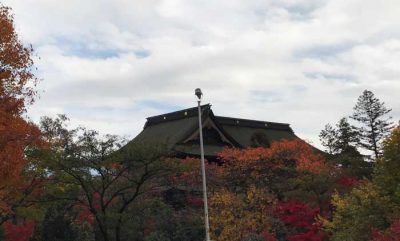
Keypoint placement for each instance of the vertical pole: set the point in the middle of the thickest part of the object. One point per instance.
(203, 171)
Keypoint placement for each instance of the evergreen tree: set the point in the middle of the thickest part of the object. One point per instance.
(347, 135)
(374, 127)
(328, 138)
(340, 139)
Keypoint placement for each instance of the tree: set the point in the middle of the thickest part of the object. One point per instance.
(339, 139)
(347, 136)
(372, 206)
(60, 224)
(238, 216)
(387, 171)
(21, 231)
(99, 177)
(341, 142)
(328, 138)
(17, 135)
(391, 234)
(374, 127)
(301, 221)
(255, 180)
(166, 223)
(358, 213)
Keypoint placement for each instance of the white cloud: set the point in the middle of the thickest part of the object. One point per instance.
(110, 64)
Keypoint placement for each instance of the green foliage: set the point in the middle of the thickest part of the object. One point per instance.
(358, 212)
(328, 138)
(339, 139)
(254, 237)
(159, 221)
(353, 164)
(178, 225)
(387, 175)
(100, 176)
(59, 225)
(373, 127)
(371, 205)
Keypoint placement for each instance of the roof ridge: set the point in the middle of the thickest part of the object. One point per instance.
(179, 111)
(250, 120)
(176, 115)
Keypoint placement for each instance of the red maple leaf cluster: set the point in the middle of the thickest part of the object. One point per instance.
(302, 219)
(391, 234)
(18, 232)
(348, 182)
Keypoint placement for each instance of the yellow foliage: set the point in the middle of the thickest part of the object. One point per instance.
(234, 216)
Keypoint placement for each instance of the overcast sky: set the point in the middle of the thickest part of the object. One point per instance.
(109, 64)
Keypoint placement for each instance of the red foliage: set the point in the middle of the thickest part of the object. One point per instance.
(194, 201)
(296, 214)
(18, 232)
(268, 236)
(308, 236)
(348, 182)
(84, 215)
(115, 166)
(302, 219)
(84, 212)
(190, 175)
(391, 234)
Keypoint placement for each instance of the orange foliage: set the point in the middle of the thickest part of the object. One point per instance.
(305, 157)
(16, 89)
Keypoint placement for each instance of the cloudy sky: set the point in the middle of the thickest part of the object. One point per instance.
(109, 64)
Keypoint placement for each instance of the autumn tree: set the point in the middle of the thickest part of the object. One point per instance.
(387, 174)
(372, 206)
(239, 216)
(99, 176)
(390, 234)
(61, 222)
(255, 180)
(300, 220)
(17, 135)
(374, 126)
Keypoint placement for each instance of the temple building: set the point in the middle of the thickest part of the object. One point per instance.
(179, 131)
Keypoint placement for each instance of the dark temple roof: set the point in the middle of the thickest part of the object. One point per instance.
(179, 131)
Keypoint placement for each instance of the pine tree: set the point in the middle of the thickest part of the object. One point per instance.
(347, 135)
(340, 138)
(374, 127)
(328, 137)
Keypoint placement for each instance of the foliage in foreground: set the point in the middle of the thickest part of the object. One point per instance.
(19, 183)
(63, 184)
(371, 211)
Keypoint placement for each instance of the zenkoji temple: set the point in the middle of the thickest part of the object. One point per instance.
(179, 132)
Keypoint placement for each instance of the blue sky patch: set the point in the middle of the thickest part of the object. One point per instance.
(266, 96)
(162, 106)
(323, 51)
(340, 77)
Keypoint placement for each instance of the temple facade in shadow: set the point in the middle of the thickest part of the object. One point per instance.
(179, 132)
